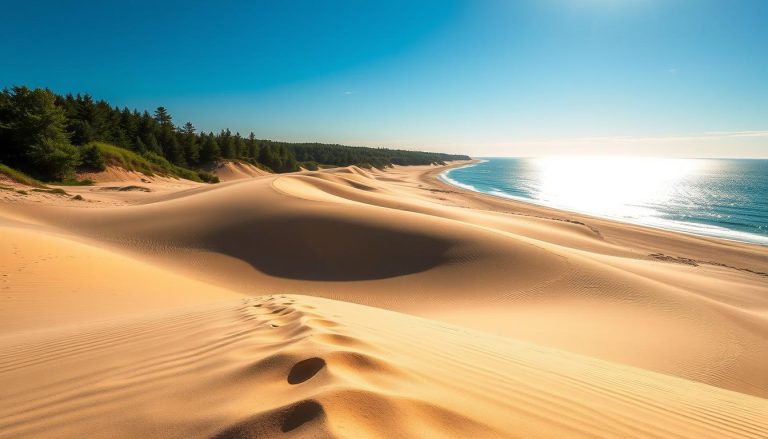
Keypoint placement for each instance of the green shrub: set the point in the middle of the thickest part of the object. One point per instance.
(310, 166)
(208, 177)
(51, 159)
(185, 173)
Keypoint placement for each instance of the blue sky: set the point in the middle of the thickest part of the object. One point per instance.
(484, 77)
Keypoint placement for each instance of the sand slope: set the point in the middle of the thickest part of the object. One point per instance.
(48, 280)
(228, 170)
(171, 317)
(114, 174)
(384, 241)
(294, 366)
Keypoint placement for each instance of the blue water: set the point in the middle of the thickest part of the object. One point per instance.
(724, 198)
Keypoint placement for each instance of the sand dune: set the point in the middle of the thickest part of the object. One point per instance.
(295, 366)
(228, 170)
(347, 235)
(668, 332)
(114, 174)
(48, 280)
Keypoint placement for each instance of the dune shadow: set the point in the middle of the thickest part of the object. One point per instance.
(330, 249)
(285, 420)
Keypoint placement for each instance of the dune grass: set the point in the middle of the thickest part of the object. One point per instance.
(7, 188)
(148, 164)
(74, 182)
(55, 191)
(253, 163)
(20, 177)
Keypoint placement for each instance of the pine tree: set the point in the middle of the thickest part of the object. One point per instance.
(139, 146)
(162, 117)
(253, 147)
(227, 144)
(190, 143)
(92, 159)
(209, 151)
(174, 151)
(269, 158)
(165, 136)
(33, 133)
(153, 145)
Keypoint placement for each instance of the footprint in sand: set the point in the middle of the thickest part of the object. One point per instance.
(302, 413)
(305, 369)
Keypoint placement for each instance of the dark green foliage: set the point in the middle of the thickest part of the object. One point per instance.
(189, 144)
(33, 134)
(253, 151)
(152, 145)
(341, 155)
(82, 132)
(209, 149)
(91, 159)
(148, 163)
(207, 177)
(37, 127)
(56, 191)
(174, 152)
(52, 159)
(19, 176)
(310, 166)
(227, 144)
(133, 188)
(73, 182)
(162, 117)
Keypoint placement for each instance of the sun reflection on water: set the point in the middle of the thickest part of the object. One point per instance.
(620, 187)
(724, 198)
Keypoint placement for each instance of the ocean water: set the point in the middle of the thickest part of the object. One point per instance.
(724, 198)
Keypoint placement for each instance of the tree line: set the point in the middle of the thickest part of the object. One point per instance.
(50, 136)
(341, 155)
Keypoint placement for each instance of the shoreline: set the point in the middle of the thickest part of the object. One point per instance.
(441, 179)
(685, 246)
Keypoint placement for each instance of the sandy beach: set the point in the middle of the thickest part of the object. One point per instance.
(364, 303)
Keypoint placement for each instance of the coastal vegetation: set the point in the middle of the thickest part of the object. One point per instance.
(50, 137)
(19, 177)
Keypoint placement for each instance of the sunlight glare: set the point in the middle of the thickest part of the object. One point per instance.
(615, 186)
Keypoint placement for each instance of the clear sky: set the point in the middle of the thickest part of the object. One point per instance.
(483, 77)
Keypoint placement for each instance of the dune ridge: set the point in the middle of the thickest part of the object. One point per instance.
(230, 170)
